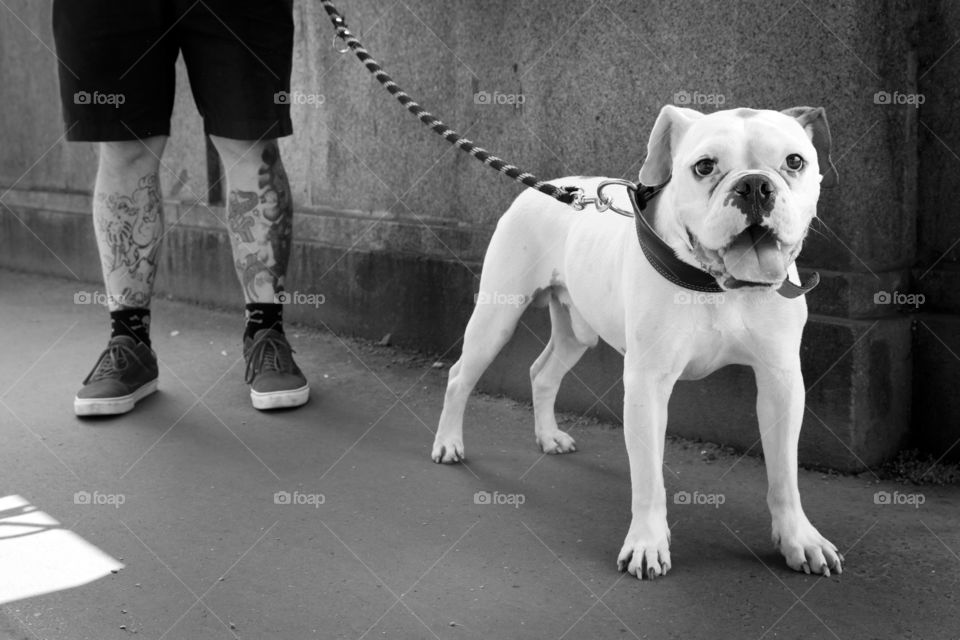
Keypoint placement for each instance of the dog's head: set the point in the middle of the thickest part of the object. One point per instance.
(743, 188)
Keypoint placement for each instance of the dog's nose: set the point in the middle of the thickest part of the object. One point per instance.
(755, 197)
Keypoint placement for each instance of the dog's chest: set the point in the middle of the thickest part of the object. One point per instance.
(716, 341)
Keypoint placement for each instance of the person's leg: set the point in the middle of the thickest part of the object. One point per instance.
(260, 221)
(128, 224)
(239, 56)
(116, 65)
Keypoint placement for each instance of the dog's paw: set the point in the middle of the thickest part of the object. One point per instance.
(448, 451)
(806, 550)
(646, 553)
(556, 442)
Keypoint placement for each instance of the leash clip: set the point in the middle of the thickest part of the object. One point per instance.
(602, 202)
(580, 201)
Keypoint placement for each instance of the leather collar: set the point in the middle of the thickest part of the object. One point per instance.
(663, 258)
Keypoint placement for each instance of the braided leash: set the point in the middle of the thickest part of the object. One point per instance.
(563, 194)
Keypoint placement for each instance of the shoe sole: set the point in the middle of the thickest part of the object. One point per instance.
(112, 406)
(286, 399)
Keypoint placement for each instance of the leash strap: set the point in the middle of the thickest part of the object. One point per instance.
(563, 194)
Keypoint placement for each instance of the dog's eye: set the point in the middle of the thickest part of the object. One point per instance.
(704, 167)
(795, 162)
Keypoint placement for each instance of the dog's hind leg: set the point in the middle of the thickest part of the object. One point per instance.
(562, 352)
(489, 329)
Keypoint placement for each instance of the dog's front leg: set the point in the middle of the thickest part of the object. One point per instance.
(780, 404)
(646, 549)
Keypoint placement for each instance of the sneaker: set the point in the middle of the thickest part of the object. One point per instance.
(275, 379)
(125, 374)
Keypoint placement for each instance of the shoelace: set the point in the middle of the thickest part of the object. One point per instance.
(269, 353)
(114, 359)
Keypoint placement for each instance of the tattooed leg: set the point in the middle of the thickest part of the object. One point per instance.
(259, 215)
(128, 219)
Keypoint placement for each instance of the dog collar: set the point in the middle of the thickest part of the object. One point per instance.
(663, 258)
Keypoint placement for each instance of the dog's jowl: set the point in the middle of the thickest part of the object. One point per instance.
(740, 189)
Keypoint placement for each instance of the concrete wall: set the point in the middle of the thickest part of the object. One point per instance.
(936, 273)
(392, 222)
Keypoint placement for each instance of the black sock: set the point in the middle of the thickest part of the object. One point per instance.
(131, 322)
(262, 315)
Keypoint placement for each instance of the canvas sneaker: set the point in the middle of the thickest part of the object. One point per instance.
(125, 373)
(275, 380)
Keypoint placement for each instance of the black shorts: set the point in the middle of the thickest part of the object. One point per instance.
(117, 66)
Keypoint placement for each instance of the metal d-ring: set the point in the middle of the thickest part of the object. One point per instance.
(607, 203)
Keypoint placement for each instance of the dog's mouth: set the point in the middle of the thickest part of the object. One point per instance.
(753, 258)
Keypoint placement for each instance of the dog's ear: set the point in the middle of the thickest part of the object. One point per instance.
(669, 128)
(814, 122)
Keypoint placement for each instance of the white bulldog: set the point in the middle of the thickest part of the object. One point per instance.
(741, 190)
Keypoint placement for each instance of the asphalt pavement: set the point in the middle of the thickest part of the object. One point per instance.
(330, 521)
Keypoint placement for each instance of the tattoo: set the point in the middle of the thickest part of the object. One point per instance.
(255, 276)
(262, 226)
(129, 229)
(241, 204)
(278, 209)
(135, 299)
